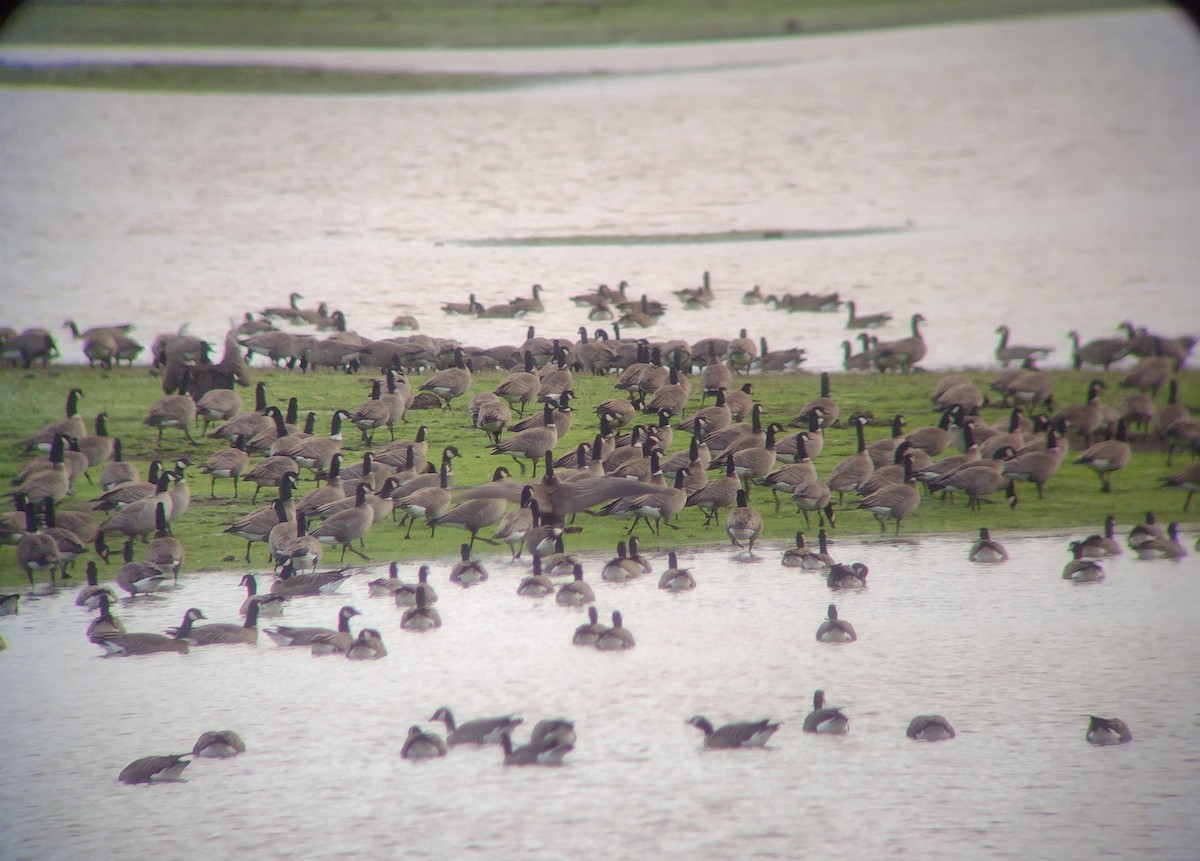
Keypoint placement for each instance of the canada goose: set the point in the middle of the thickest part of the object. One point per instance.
(228, 463)
(219, 744)
(548, 751)
(654, 504)
(929, 728)
(835, 630)
(292, 585)
(272, 472)
(1109, 456)
(290, 635)
(803, 556)
(287, 312)
(480, 731)
(467, 571)
(743, 524)
(1187, 479)
(246, 424)
(165, 552)
(279, 432)
(555, 380)
(117, 470)
(450, 383)
(1102, 352)
(733, 735)
(316, 453)
(217, 405)
(138, 643)
(1148, 375)
(616, 638)
(89, 595)
(863, 361)
(575, 592)
(620, 569)
(51, 482)
(1037, 466)
(291, 542)
(173, 411)
(855, 469)
(155, 769)
(385, 587)
(474, 515)
(72, 427)
(421, 616)
(367, 646)
(674, 578)
(1086, 418)
(1097, 546)
(406, 594)
(105, 622)
(986, 549)
(268, 605)
(37, 550)
(793, 557)
(825, 719)
(70, 545)
(346, 527)
(902, 354)
(10, 604)
(1107, 731)
(894, 502)
(469, 308)
(422, 745)
(852, 576)
(137, 519)
(1144, 533)
(537, 584)
(1167, 547)
(137, 578)
(1080, 569)
(711, 419)
(555, 729)
(219, 633)
(98, 446)
(257, 525)
(865, 321)
(1006, 353)
(532, 444)
(718, 494)
(372, 414)
(333, 490)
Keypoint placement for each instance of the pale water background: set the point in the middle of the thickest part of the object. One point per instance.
(1012, 655)
(1042, 173)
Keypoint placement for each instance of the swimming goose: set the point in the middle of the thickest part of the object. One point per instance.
(852, 471)
(292, 585)
(155, 769)
(733, 735)
(852, 576)
(137, 578)
(896, 501)
(268, 605)
(406, 594)
(480, 731)
(835, 630)
(1081, 569)
(105, 622)
(576, 592)
(1167, 547)
(865, 321)
(743, 524)
(422, 745)
(616, 638)
(1107, 731)
(138, 643)
(219, 744)
(467, 571)
(72, 427)
(420, 617)
(674, 578)
(620, 568)
(929, 728)
(221, 633)
(1108, 456)
(1006, 353)
(89, 595)
(10, 605)
(385, 587)
(803, 556)
(367, 646)
(1097, 546)
(451, 383)
(794, 556)
(1144, 533)
(164, 551)
(902, 354)
(548, 751)
(291, 635)
(556, 729)
(588, 633)
(826, 719)
(537, 584)
(986, 549)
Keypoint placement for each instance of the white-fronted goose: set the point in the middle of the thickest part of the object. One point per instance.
(835, 630)
(986, 549)
(825, 719)
(1107, 731)
(155, 769)
(734, 735)
(929, 728)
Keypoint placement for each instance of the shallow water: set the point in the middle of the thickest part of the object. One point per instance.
(1013, 655)
(1040, 173)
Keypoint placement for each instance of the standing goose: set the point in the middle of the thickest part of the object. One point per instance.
(268, 605)
(37, 551)
(299, 547)
(1086, 418)
(1038, 465)
(480, 731)
(70, 545)
(72, 427)
(290, 635)
(272, 472)
(1080, 569)
(835, 630)
(734, 735)
(155, 769)
(1107, 731)
(718, 494)
(674, 578)
(98, 447)
(474, 515)
(520, 387)
(165, 552)
(532, 444)
(894, 502)
(929, 728)
(986, 549)
(654, 504)
(1109, 456)
(1100, 352)
(50, 482)
(217, 405)
(576, 592)
(617, 638)
(173, 411)
(227, 463)
(450, 383)
(1187, 479)
(346, 527)
(854, 470)
(743, 524)
(316, 453)
(515, 526)
(713, 418)
(333, 490)
(422, 745)
(257, 525)
(825, 719)
(372, 414)
(824, 402)
(118, 470)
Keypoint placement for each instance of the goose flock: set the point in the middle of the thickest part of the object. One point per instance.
(650, 474)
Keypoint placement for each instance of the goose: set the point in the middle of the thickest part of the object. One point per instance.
(883, 451)
(1107, 731)
(1149, 375)
(479, 731)
(72, 427)
(865, 321)
(372, 414)
(520, 387)
(298, 546)
(712, 419)
(576, 592)
(367, 646)
(737, 437)
(1081, 569)
(422, 745)
(451, 383)
(674, 578)
(105, 622)
(717, 494)
(292, 585)
(636, 557)
(118, 471)
(70, 545)
(793, 557)
(268, 605)
(173, 411)
(98, 446)
(89, 595)
(316, 453)
(743, 524)
(733, 735)
(852, 576)
(333, 490)
(588, 633)
(420, 617)
(137, 578)
(218, 744)
(532, 444)
(835, 630)
(824, 402)
(825, 719)
(616, 638)
(556, 729)
(247, 424)
(1038, 466)
(654, 504)
(1144, 533)
(620, 569)
(548, 751)
(537, 584)
(555, 379)
(929, 728)
(272, 472)
(51, 482)
(1187, 479)
(863, 361)
(217, 405)
(346, 527)
(1006, 353)
(475, 514)
(1101, 352)
(385, 587)
(155, 769)
(407, 594)
(221, 633)
(902, 354)
(288, 312)
(228, 463)
(515, 526)
(1167, 547)
(894, 502)
(557, 561)
(138, 643)
(815, 560)
(164, 551)
(1171, 412)
(1098, 546)
(799, 472)
(854, 470)
(290, 635)
(467, 571)
(1108, 456)
(257, 525)
(10, 605)
(978, 478)
(986, 549)
(1086, 418)
(470, 308)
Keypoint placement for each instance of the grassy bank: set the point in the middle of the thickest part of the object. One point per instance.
(28, 400)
